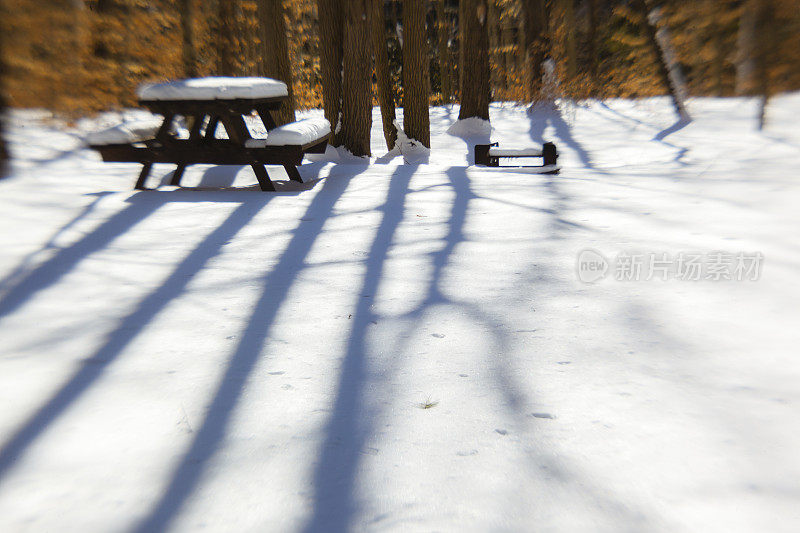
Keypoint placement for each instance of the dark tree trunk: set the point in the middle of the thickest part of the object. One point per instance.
(661, 43)
(384, 84)
(442, 36)
(331, 39)
(593, 12)
(416, 82)
(225, 38)
(536, 20)
(275, 53)
(474, 59)
(187, 9)
(570, 45)
(357, 80)
(493, 25)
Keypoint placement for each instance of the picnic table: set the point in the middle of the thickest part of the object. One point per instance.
(207, 103)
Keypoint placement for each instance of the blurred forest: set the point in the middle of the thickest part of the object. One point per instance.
(76, 56)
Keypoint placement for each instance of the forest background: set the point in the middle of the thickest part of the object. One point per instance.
(77, 57)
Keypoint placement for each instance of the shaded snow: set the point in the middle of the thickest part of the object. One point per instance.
(406, 347)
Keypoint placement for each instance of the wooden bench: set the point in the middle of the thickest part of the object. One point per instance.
(208, 103)
(489, 155)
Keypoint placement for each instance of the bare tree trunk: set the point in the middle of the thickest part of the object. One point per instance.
(442, 36)
(275, 53)
(508, 57)
(357, 80)
(765, 23)
(661, 43)
(570, 45)
(718, 63)
(494, 39)
(187, 32)
(416, 81)
(536, 21)
(594, 58)
(331, 38)
(384, 84)
(225, 38)
(474, 59)
(746, 43)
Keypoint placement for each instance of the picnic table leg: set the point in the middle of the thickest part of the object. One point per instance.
(177, 175)
(294, 175)
(211, 128)
(143, 175)
(266, 117)
(194, 135)
(263, 177)
(161, 136)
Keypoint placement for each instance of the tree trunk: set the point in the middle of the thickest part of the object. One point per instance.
(442, 36)
(416, 82)
(384, 84)
(275, 53)
(535, 15)
(331, 38)
(357, 80)
(187, 32)
(474, 59)
(593, 12)
(746, 43)
(493, 25)
(661, 43)
(225, 38)
(569, 32)
(765, 24)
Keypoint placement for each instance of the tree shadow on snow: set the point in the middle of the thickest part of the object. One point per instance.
(276, 284)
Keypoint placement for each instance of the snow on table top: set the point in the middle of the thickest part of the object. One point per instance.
(515, 152)
(213, 88)
(296, 133)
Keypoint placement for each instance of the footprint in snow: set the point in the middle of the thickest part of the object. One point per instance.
(541, 415)
(438, 335)
(466, 453)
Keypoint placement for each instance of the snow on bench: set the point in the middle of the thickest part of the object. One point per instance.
(300, 133)
(213, 88)
(125, 133)
(511, 152)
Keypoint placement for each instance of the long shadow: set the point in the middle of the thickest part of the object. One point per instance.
(23, 267)
(63, 261)
(541, 116)
(277, 283)
(350, 425)
(127, 330)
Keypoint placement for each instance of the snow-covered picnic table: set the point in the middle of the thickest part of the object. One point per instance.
(207, 103)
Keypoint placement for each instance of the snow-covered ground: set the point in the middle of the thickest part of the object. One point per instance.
(408, 347)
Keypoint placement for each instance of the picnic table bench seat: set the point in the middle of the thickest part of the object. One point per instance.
(207, 103)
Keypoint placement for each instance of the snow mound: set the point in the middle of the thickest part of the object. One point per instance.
(411, 149)
(468, 127)
(213, 88)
